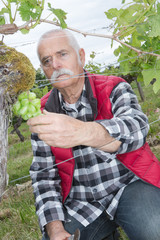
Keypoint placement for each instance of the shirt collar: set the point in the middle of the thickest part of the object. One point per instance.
(53, 102)
(81, 101)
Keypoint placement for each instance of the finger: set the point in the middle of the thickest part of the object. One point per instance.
(44, 138)
(46, 112)
(41, 129)
(47, 139)
(41, 119)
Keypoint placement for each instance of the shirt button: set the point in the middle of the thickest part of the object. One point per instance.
(94, 190)
(88, 166)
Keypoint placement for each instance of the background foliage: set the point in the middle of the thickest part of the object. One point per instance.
(137, 24)
(136, 27)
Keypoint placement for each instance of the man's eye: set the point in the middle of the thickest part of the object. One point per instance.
(47, 61)
(63, 54)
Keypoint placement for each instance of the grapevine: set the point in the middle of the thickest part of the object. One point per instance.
(27, 105)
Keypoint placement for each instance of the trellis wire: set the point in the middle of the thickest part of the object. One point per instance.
(98, 68)
(27, 176)
(149, 124)
(104, 66)
(78, 75)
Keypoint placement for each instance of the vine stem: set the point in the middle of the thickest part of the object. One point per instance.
(12, 28)
(4, 4)
(112, 37)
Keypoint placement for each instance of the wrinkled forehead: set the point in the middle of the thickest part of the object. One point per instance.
(55, 35)
(54, 41)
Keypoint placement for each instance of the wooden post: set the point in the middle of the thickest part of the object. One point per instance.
(140, 91)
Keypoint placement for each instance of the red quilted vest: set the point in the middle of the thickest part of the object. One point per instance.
(142, 161)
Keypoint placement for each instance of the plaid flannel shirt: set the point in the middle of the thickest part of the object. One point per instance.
(99, 178)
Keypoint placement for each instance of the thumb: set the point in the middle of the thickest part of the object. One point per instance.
(46, 112)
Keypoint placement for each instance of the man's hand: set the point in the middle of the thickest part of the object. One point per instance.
(56, 231)
(59, 130)
(63, 235)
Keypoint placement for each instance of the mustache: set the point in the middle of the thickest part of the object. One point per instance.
(58, 73)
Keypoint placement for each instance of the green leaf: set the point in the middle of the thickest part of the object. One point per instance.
(138, 1)
(24, 31)
(154, 24)
(24, 11)
(135, 41)
(158, 8)
(4, 10)
(34, 15)
(38, 9)
(130, 14)
(112, 13)
(146, 66)
(156, 85)
(140, 78)
(124, 67)
(29, 9)
(130, 30)
(60, 14)
(123, 1)
(92, 55)
(149, 74)
(14, 1)
(2, 20)
(117, 52)
(142, 28)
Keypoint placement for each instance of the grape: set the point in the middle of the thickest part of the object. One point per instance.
(23, 111)
(27, 105)
(36, 102)
(16, 107)
(24, 102)
(23, 95)
(31, 95)
(31, 108)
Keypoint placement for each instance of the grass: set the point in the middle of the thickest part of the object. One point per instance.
(149, 107)
(18, 220)
(20, 154)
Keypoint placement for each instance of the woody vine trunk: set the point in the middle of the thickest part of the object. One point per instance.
(16, 75)
(3, 144)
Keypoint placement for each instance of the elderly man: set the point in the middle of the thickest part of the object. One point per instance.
(92, 169)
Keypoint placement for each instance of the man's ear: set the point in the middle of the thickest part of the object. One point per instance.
(82, 56)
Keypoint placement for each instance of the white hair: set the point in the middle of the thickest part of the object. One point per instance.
(71, 39)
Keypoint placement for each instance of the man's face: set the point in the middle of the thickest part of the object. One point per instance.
(60, 61)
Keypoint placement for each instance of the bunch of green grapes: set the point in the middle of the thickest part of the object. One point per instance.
(27, 105)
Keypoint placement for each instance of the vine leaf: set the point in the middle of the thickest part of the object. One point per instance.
(152, 73)
(28, 9)
(60, 14)
(137, 24)
(2, 20)
(154, 23)
(4, 10)
(14, 1)
(24, 31)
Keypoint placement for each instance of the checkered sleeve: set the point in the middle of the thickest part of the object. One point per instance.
(129, 124)
(46, 183)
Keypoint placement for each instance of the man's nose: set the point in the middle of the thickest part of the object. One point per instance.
(56, 63)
